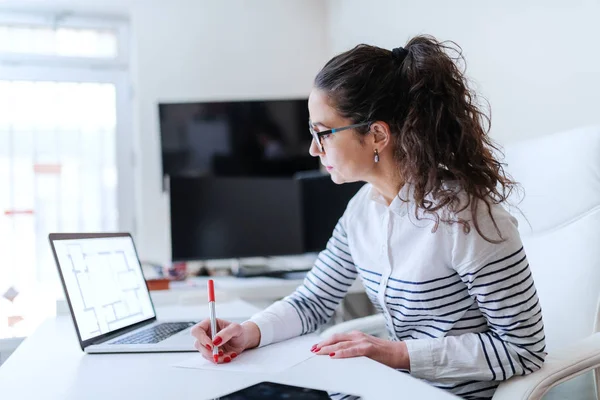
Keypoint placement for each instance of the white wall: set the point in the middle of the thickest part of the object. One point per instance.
(536, 61)
(186, 50)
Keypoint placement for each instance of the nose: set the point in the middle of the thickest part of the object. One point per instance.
(314, 150)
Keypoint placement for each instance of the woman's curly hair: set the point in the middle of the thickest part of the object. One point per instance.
(439, 132)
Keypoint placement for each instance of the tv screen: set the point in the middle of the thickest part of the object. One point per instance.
(236, 138)
(213, 218)
(224, 217)
(322, 203)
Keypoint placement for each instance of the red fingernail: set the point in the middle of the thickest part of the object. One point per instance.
(316, 350)
(220, 352)
(216, 358)
(217, 341)
(314, 347)
(208, 347)
(227, 359)
(331, 354)
(233, 355)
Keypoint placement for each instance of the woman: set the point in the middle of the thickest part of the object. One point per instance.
(428, 236)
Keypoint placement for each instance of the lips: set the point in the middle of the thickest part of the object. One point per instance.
(329, 168)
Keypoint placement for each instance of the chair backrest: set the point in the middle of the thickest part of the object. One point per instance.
(560, 227)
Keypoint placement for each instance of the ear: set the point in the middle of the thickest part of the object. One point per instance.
(382, 136)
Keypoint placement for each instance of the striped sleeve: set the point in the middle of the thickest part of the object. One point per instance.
(314, 302)
(500, 283)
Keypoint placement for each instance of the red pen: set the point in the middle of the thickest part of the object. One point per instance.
(213, 317)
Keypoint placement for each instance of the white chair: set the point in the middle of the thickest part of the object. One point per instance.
(560, 174)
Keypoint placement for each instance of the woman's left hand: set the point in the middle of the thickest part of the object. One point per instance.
(358, 344)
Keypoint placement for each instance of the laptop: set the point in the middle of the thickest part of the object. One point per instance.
(108, 297)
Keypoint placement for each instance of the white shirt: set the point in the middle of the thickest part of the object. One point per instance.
(466, 308)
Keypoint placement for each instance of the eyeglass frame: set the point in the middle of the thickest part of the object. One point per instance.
(317, 136)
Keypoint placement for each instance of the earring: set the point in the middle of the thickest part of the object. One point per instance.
(376, 156)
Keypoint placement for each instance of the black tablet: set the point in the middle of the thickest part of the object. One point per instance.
(270, 390)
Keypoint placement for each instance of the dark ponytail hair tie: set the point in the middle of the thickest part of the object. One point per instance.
(399, 54)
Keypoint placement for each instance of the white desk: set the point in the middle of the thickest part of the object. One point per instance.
(259, 290)
(50, 365)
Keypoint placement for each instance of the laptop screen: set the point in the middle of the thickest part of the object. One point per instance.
(105, 284)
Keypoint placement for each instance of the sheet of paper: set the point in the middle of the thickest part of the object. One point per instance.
(273, 358)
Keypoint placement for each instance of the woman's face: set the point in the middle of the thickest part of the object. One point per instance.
(344, 156)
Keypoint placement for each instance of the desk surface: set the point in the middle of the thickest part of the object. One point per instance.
(261, 291)
(252, 288)
(50, 365)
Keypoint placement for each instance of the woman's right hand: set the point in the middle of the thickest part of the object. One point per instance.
(231, 339)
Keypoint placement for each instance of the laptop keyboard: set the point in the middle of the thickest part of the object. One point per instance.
(155, 334)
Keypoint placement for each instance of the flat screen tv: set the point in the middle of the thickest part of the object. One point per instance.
(261, 138)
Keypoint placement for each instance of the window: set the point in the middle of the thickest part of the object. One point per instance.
(62, 42)
(65, 151)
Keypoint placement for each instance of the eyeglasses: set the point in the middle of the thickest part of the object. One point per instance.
(317, 136)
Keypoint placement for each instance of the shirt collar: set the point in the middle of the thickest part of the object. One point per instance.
(400, 203)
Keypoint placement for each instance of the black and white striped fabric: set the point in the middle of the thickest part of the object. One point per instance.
(466, 308)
